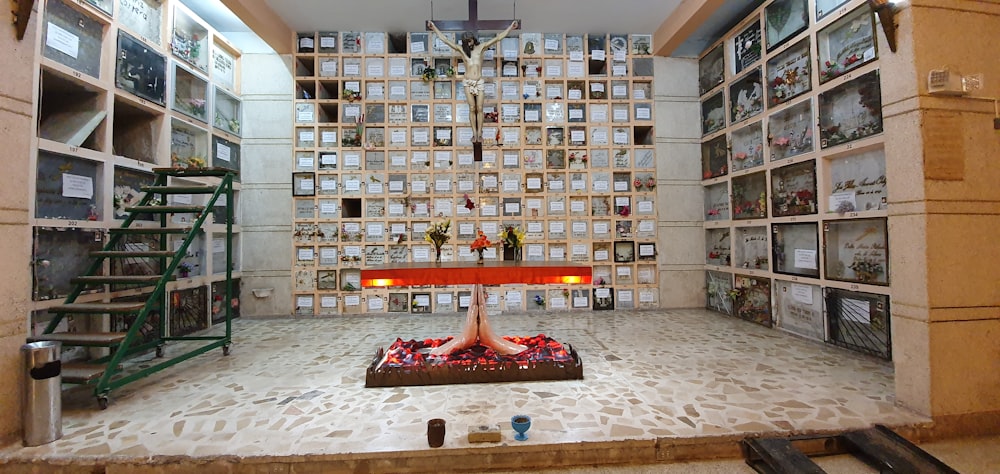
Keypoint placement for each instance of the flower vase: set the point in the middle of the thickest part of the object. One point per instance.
(512, 253)
(437, 254)
(480, 260)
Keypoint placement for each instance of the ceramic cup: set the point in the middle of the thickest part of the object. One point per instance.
(435, 432)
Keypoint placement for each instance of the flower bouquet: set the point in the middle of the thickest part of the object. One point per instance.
(480, 244)
(512, 238)
(438, 235)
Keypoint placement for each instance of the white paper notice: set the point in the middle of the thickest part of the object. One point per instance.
(575, 69)
(444, 298)
(580, 302)
(395, 186)
(600, 255)
(421, 253)
(76, 186)
(556, 185)
(531, 116)
(557, 302)
(551, 92)
(623, 271)
(327, 207)
(513, 297)
(645, 206)
(417, 47)
(600, 228)
(305, 254)
(62, 41)
(304, 302)
(642, 113)
(307, 136)
(375, 188)
(534, 183)
(579, 249)
(352, 159)
(222, 152)
(374, 229)
(647, 250)
(805, 258)
(374, 303)
(576, 55)
(352, 300)
(802, 293)
(557, 206)
(619, 115)
(535, 227)
(836, 199)
(557, 253)
(597, 55)
(328, 301)
(306, 162)
(647, 226)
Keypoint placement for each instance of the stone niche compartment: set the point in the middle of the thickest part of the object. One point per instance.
(718, 247)
(711, 70)
(714, 158)
(846, 44)
(72, 112)
(746, 97)
(713, 114)
(789, 74)
(190, 40)
(793, 190)
(719, 287)
(749, 196)
(857, 250)
(717, 202)
(748, 147)
(750, 249)
(851, 111)
(859, 322)
(190, 93)
(143, 17)
(59, 255)
(140, 70)
(795, 249)
(67, 187)
(790, 131)
(856, 182)
(800, 309)
(72, 38)
(752, 300)
(188, 311)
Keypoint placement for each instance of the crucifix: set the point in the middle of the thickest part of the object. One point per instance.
(472, 56)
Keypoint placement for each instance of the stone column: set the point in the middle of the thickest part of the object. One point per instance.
(679, 194)
(266, 197)
(943, 169)
(16, 133)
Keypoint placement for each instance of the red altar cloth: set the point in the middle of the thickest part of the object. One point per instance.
(466, 273)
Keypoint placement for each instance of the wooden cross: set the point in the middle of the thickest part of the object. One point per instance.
(474, 24)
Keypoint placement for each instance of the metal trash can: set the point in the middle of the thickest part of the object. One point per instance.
(42, 408)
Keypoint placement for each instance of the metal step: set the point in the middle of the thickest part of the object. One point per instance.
(98, 308)
(79, 372)
(149, 230)
(93, 339)
(878, 447)
(166, 209)
(130, 253)
(210, 171)
(179, 189)
(777, 456)
(120, 279)
(887, 451)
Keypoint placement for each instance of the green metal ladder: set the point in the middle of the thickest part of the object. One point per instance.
(106, 373)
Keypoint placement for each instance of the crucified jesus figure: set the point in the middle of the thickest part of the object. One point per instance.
(472, 55)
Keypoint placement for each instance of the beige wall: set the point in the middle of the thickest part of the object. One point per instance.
(942, 163)
(16, 89)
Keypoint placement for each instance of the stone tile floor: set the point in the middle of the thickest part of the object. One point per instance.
(295, 387)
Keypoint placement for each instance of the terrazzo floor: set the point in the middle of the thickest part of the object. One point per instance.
(295, 387)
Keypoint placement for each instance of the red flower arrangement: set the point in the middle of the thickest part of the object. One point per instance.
(481, 242)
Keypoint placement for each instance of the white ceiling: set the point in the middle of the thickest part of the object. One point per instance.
(546, 16)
